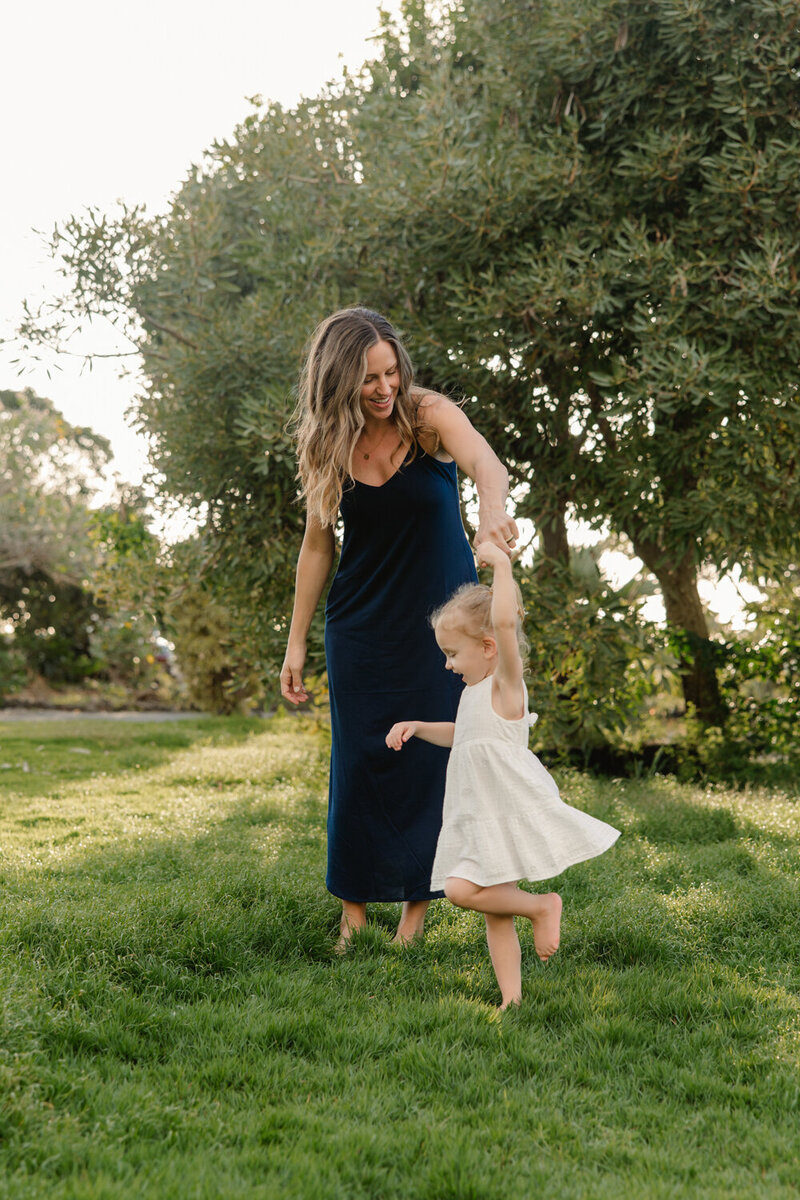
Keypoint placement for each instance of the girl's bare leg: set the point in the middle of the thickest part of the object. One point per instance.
(501, 936)
(412, 921)
(506, 899)
(354, 917)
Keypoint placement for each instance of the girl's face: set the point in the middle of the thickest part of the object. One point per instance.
(379, 389)
(473, 658)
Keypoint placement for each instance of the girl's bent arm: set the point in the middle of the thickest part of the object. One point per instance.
(438, 733)
(314, 564)
(475, 457)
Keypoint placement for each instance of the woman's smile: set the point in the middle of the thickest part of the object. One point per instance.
(379, 389)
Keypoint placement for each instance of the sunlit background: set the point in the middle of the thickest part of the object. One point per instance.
(106, 103)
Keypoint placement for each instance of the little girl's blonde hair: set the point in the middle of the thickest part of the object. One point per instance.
(469, 610)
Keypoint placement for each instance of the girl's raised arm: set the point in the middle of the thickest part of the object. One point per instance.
(507, 679)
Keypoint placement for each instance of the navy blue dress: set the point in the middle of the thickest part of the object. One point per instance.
(404, 551)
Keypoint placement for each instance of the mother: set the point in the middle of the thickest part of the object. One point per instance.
(383, 453)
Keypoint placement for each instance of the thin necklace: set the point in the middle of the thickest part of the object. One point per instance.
(366, 453)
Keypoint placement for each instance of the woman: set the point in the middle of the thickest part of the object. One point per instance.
(384, 454)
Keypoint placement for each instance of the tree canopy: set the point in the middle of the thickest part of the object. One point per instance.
(48, 469)
(583, 216)
(598, 237)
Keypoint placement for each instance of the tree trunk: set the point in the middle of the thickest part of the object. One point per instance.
(551, 525)
(685, 613)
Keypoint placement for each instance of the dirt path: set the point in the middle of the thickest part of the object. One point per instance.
(73, 714)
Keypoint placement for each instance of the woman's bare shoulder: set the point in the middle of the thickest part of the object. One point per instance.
(430, 408)
(428, 400)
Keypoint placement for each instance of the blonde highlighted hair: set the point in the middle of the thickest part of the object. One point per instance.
(469, 610)
(328, 419)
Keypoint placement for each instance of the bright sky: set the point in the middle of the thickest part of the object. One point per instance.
(103, 101)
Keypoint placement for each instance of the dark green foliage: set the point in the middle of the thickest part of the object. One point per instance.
(761, 674)
(584, 219)
(48, 471)
(216, 675)
(759, 669)
(12, 667)
(51, 623)
(589, 652)
(167, 591)
(595, 237)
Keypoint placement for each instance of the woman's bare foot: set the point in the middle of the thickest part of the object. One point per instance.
(547, 926)
(412, 923)
(403, 939)
(354, 917)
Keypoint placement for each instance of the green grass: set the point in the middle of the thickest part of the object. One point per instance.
(174, 1023)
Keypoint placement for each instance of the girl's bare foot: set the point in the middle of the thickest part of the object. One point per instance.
(547, 926)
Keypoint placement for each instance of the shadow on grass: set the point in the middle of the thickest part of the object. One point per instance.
(680, 823)
(184, 916)
(174, 914)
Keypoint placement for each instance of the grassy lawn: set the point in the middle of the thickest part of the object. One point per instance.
(175, 1025)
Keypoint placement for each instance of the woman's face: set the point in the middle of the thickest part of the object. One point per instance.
(379, 389)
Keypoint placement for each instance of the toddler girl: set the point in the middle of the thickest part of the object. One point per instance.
(503, 817)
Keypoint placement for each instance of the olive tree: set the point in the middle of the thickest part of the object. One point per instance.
(584, 218)
(594, 229)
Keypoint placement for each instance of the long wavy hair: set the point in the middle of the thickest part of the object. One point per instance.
(328, 419)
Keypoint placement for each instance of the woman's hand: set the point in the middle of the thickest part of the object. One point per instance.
(498, 527)
(292, 686)
(399, 734)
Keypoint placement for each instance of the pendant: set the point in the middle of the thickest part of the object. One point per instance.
(365, 455)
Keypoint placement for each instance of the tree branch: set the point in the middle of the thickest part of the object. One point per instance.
(179, 337)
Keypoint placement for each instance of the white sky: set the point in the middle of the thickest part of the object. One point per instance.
(101, 101)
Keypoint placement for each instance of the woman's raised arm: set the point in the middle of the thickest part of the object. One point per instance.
(475, 457)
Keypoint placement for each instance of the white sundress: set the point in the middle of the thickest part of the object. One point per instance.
(503, 817)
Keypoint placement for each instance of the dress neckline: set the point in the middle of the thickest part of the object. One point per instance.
(376, 487)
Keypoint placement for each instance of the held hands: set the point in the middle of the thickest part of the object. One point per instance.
(498, 527)
(489, 554)
(399, 734)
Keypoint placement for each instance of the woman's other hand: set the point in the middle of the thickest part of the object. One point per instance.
(292, 686)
